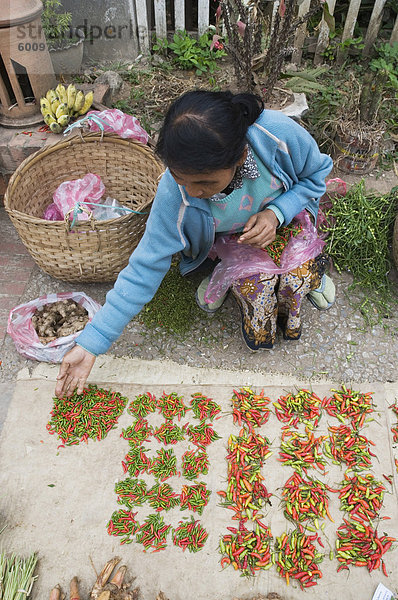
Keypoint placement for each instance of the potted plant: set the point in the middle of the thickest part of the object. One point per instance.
(361, 125)
(65, 43)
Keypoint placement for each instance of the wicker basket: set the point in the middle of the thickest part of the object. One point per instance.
(395, 242)
(93, 251)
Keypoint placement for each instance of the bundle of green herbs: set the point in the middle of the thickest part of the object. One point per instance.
(16, 576)
(359, 235)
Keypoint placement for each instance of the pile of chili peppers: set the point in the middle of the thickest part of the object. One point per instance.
(247, 551)
(302, 451)
(169, 433)
(131, 492)
(202, 435)
(306, 499)
(250, 408)
(140, 431)
(194, 463)
(91, 414)
(296, 557)
(348, 404)
(204, 407)
(347, 445)
(191, 535)
(194, 497)
(136, 461)
(361, 496)
(162, 497)
(302, 407)
(359, 544)
(164, 465)
(142, 405)
(283, 237)
(171, 405)
(124, 524)
(153, 533)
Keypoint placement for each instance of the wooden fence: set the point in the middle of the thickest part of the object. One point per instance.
(157, 15)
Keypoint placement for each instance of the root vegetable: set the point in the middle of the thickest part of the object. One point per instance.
(74, 589)
(118, 578)
(104, 588)
(59, 319)
(56, 593)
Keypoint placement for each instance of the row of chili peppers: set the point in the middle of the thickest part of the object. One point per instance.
(247, 550)
(161, 496)
(345, 444)
(306, 407)
(153, 533)
(307, 499)
(172, 406)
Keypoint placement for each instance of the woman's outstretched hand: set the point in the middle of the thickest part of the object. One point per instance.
(260, 229)
(75, 368)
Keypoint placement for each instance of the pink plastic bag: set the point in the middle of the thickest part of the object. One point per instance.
(52, 213)
(240, 260)
(68, 193)
(26, 340)
(116, 121)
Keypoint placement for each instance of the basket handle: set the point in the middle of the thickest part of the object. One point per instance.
(77, 209)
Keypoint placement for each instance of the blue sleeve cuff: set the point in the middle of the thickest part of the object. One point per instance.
(278, 213)
(89, 351)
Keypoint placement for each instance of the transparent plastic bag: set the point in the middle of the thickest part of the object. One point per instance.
(26, 340)
(241, 260)
(69, 193)
(116, 121)
(107, 210)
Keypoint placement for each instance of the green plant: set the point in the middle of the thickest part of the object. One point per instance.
(335, 45)
(188, 52)
(305, 82)
(381, 77)
(359, 240)
(56, 24)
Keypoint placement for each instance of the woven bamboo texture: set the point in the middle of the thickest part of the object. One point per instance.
(395, 242)
(93, 251)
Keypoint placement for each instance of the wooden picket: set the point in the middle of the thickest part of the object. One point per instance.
(148, 11)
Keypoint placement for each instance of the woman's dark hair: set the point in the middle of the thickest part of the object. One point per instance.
(205, 131)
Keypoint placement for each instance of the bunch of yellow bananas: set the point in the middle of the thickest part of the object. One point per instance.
(59, 105)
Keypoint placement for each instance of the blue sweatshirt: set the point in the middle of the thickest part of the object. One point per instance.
(179, 223)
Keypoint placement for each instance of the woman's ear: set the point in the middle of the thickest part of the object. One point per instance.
(242, 158)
